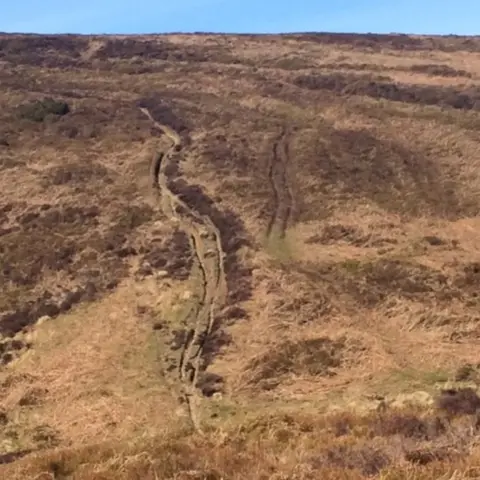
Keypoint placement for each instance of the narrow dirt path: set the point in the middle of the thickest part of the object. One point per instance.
(278, 177)
(208, 271)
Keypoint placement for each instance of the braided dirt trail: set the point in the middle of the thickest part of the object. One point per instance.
(283, 196)
(211, 294)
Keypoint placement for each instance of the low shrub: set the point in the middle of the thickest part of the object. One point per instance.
(37, 111)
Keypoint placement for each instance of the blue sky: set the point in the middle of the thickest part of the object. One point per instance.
(240, 16)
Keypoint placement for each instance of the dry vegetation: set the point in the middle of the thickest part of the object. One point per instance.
(340, 172)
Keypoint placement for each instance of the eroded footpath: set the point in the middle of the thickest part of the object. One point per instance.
(208, 273)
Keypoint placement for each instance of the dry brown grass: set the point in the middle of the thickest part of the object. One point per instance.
(367, 299)
(303, 446)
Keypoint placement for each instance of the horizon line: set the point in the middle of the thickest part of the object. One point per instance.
(218, 33)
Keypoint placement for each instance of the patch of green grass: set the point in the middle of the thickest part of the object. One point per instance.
(410, 379)
(280, 248)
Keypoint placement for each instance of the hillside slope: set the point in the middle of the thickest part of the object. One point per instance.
(235, 236)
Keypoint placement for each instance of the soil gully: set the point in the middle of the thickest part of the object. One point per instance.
(283, 197)
(207, 272)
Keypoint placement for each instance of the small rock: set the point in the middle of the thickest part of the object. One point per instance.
(186, 295)
(161, 274)
(180, 412)
(43, 319)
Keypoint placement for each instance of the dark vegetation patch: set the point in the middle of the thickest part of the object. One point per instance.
(467, 99)
(3, 217)
(378, 42)
(333, 79)
(433, 69)
(33, 396)
(240, 162)
(50, 51)
(357, 67)
(64, 44)
(44, 60)
(391, 423)
(135, 66)
(45, 436)
(194, 108)
(18, 80)
(9, 160)
(408, 425)
(308, 304)
(210, 383)
(10, 348)
(162, 111)
(366, 459)
(468, 121)
(27, 312)
(116, 240)
(164, 50)
(172, 255)
(46, 241)
(332, 234)
(38, 110)
(69, 242)
(76, 174)
(371, 283)
(424, 456)
(464, 401)
(235, 153)
(318, 356)
(158, 50)
(13, 456)
(434, 240)
(89, 121)
(468, 372)
(358, 165)
(468, 281)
